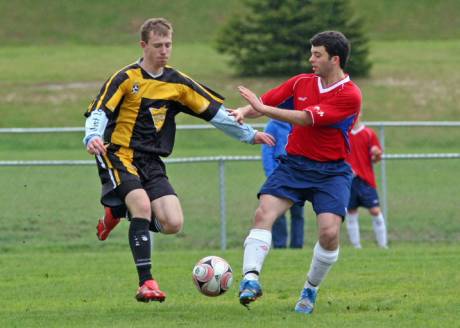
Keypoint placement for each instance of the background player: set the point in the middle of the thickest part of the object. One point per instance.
(270, 160)
(365, 151)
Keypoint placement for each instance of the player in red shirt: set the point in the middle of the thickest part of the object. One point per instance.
(365, 151)
(324, 106)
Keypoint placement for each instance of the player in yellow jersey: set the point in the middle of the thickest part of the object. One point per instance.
(129, 125)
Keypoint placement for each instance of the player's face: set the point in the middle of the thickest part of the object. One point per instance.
(322, 64)
(158, 49)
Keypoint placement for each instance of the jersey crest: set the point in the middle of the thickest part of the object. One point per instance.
(158, 116)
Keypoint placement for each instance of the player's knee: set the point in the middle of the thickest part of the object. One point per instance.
(263, 217)
(329, 237)
(374, 211)
(172, 225)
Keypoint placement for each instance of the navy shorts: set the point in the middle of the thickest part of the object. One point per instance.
(325, 184)
(362, 194)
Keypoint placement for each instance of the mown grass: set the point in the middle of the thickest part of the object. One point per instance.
(55, 274)
(404, 286)
(116, 22)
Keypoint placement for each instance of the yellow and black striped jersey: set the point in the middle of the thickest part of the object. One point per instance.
(141, 109)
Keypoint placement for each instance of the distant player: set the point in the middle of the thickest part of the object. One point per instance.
(270, 160)
(365, 151)
(326, 105)
(130, 126)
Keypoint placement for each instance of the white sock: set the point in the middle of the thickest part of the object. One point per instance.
(353, 229)
(256, 247)
(321, 263)
(380, 230)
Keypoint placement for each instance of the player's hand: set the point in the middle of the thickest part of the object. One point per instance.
(375, 158)
(237, 114)
(251, 98)
(264, 138)
(376, 154)
(96, 146)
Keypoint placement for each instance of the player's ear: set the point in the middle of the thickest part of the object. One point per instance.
(143, 44)
(336, 60)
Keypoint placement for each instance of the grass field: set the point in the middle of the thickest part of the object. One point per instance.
(53, 271)
(405, 287)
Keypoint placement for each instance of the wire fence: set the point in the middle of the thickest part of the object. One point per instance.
(221, 160)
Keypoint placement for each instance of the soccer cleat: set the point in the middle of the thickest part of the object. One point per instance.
(307, 300)
(106, 224)
(250, 290)
(150, 291)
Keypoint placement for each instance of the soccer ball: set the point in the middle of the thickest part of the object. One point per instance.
(212, 276)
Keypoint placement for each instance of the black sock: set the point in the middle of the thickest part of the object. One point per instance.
(139, 241)
(119, 211)
(155, 225)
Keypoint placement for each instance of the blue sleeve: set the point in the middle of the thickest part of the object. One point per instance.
(229, 126)
(269, 161)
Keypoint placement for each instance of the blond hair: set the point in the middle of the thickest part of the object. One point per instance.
(160, 26)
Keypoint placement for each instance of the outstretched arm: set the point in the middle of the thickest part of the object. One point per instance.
(242, 132)
(292, 116)
(244, 112)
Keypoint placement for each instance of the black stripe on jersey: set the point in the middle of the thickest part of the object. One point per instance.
(207, 115)
(112, 87)
(92, 106)
(112, 123)
(109, 88)
(171, 75)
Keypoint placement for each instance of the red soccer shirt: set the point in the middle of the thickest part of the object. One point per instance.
(362, 140)
(334, 110)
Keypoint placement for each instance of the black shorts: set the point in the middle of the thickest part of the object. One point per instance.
(122, 170)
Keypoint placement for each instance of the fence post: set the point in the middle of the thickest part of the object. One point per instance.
(223, 215)
(383, 173)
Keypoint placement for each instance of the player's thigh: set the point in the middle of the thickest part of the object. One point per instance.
(138, 204)
(269, 209)
(168, 210)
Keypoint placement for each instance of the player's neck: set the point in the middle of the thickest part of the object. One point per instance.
(151, 68)
(332, 78)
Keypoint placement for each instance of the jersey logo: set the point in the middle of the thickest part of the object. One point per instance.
(135, 88)
(318, 110)
(302, 98)
(158, 116)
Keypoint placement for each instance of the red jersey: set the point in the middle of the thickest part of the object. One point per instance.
(334, 110)
(362, 140)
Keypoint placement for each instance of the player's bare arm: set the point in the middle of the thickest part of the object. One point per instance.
(241, 113)
(292, 116)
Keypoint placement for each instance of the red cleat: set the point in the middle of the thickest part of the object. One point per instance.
(150, 291)
(106, 224)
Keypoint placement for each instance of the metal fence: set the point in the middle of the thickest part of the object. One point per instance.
(221, 160)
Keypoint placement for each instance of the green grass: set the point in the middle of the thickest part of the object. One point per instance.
(111, 22)
(404, 286)
(53, 272)
(409, 20)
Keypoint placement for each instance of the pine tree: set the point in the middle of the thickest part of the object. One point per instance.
(273, 37)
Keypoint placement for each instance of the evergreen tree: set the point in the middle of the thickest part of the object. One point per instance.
(273, 36)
